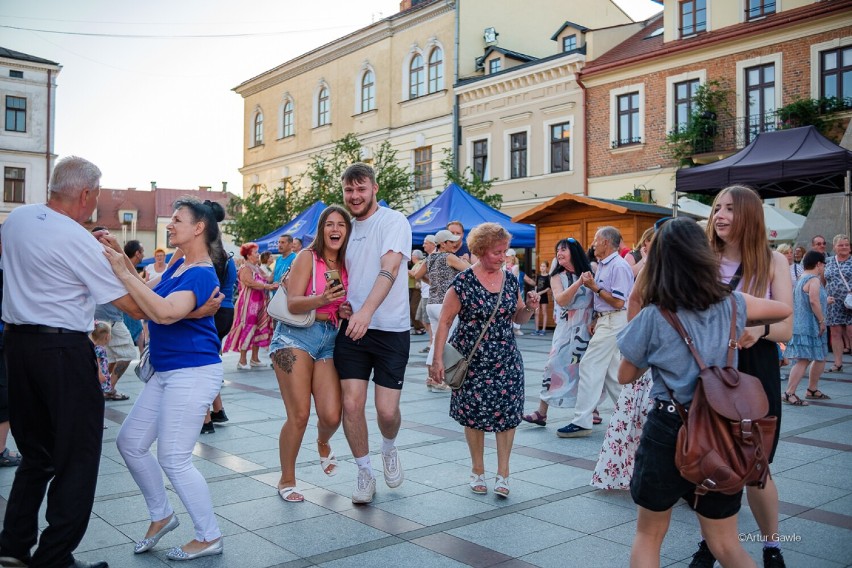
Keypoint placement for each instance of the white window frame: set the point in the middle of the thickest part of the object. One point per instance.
(671, 81)
(315, 105)
(428, 55)
(741, 110)
(489, 161)
(547, 161)
(507, 152)
(258, 112)
(281, 132)
(816, 50)
(613, 112)
(358, 92)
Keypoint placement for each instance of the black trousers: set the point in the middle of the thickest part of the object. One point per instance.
(57, 414)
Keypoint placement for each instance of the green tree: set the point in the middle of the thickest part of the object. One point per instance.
(258, 214)
(470, 181)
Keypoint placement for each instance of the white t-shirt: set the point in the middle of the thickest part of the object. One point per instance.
(54, 270)
(384, 231)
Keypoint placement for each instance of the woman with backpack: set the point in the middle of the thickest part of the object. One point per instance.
(650, 341)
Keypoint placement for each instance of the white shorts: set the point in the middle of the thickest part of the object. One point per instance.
(121, 347)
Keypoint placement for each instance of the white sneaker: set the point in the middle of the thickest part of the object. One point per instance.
(365, 488)
(393, 468)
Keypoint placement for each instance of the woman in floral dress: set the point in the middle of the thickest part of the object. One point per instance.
(252, 327)
(571, 336)
(491, 399)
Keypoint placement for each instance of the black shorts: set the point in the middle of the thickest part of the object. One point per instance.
(382, 353)
(657, 484)
(761, 361)
(224, 319)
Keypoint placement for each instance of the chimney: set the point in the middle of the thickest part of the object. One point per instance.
(203, 188)
(224, 186)
(404, 5)
(131, 189)
(153, 185)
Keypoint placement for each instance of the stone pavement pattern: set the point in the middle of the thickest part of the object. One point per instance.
(553, 517)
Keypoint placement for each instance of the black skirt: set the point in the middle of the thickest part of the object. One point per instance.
(762, 361)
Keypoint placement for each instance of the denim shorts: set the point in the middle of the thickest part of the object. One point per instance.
(316, 340)
(657, 484)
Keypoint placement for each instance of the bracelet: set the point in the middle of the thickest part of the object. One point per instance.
(528, 309)
(765, 331)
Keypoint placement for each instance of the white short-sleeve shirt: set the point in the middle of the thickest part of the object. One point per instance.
(384, 231)
(54, 270)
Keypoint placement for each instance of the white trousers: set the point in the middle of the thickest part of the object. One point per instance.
(434, 313)
(599, 368)
(171, 409)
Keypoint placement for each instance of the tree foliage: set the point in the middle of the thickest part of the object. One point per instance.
(258, 214)
(470, 181)
(698, 135)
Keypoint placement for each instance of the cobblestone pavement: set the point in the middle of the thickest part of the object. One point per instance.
(553, 517)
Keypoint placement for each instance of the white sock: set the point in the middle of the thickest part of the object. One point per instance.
(364, 463)
(388, 444)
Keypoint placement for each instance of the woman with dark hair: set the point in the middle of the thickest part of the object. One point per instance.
(252, 327)
(303, 356)
(173, 403)
(571, 336)
(681, 275)
(737, 234)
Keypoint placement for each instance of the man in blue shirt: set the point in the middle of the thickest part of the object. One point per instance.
(285, 249)
(599, 365)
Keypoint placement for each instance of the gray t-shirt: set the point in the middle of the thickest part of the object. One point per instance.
(650, 341)
(108, 312)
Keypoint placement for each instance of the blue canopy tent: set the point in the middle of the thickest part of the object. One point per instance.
(303, 226)
(455, 204)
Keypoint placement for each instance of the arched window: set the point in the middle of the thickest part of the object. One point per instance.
(287, 120)
(322, 107)
(368, 91)
(258, 129)
(436, 70)
(415, 77)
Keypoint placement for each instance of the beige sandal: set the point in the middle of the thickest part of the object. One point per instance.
(328, 463)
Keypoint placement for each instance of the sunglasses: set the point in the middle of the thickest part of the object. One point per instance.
(661, 222)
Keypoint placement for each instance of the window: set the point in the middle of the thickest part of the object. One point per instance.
(436, 70)
(322, 107)
(693, 17)
(835, 70)
(423, 167)
(518, 155)
(759, 8)
(258, 129)
(628, 119)
(569, 43)
(127, 217)
(415, 77)
(13, 185)
(16, 114)
(684, 92)
(287, 120)
(494, 65)
(760, 98)
(480, 158)
(16, 74)
(368, 91)
(560, 147)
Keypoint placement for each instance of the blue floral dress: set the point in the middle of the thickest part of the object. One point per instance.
(492, 397)
(806, 342)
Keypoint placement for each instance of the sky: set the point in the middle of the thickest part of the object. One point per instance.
(161, 108)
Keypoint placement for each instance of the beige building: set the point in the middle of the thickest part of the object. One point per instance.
(521, 110)
(388, 81)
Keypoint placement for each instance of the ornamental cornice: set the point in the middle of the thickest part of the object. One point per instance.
(513, 84)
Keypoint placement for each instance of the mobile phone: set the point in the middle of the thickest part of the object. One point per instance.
(332, 278)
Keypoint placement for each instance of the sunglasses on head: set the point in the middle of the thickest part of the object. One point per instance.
(661, 222)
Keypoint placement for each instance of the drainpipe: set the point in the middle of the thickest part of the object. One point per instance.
(585, 135)
(456, 140)
(49, 125)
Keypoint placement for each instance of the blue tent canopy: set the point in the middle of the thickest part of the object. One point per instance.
(302, 226)
(455, 204)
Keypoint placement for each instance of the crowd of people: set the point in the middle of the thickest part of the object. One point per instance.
(610, 340)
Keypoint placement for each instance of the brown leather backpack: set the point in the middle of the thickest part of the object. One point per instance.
(723, 444)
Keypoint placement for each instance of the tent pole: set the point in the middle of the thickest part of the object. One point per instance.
(674, 205)
(848, 195)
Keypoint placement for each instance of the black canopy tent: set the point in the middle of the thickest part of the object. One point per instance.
(794, 162)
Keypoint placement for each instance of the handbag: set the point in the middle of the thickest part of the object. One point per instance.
(847, 301)
(278, 309)
(144, 369)
(723, 444)
(455, 365)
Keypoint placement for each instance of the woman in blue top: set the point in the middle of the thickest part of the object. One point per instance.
(184, 352)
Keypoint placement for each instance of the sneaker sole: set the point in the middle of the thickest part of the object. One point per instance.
(393, 484)
(580, 434)
(359, 501)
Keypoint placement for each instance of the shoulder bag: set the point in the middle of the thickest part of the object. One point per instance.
(847, 301)
(278, 309)
(455, 365)
(723, 444)
(144, 369)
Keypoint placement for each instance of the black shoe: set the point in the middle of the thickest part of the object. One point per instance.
(772, 558)
(84, 564)
(703, 558)
(207, 428)
(219, 417)
(12, 561)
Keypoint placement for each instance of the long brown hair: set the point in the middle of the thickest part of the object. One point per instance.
(748, 230)
(319, 243)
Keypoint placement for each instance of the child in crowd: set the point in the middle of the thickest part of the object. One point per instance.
(100, 337)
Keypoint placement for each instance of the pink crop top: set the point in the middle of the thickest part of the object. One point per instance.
(319, 278)
(727, 269)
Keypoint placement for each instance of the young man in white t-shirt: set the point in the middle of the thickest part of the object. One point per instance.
(375, 338)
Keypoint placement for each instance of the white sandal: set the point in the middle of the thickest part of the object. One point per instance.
(477, 484)
(501, 486)
(286, 492)
(329, 463)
